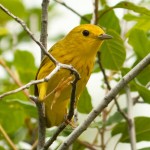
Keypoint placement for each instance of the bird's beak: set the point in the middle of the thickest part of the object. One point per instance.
(105, 37)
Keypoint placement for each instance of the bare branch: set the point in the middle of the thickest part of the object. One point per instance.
(94, 19)
(131, 125)
(82, 17)
(12, 145)
(44, 25)
(69, 116)
(16, 80)
(105, 101)
(22, 23)
(26, 86)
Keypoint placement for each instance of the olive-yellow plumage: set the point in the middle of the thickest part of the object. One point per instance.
(78, 49)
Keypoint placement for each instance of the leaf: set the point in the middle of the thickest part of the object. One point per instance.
(84, 103)
(144, 76)
(144, 92)
(78, 146)
(24, 62)
(140, 43)
(113, 24)
(146, 148)
(115, 118)
(103, 20)
(131, 6)
(141, 126)
(18, 11)
(11, 113)
(3, 31)
(142, 21)
(113, 52)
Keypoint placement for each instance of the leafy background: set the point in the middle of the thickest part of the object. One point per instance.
(18, 65)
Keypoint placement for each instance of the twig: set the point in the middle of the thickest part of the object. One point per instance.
(22, 23)
(69, 116)
(12, 145)
(39, 105)
(94, 19)
(46, 79)
(105, 101)
(44, 25)
(103, 71)
(109, 87)
(131, 125)
(82, 17)
(86, 144)
(16, 80)
(26, 86)
(54, 137)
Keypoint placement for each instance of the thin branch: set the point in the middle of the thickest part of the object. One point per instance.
(9, 141)
(109, 87)
(16, 80)
(105, 101)
(86, 144)
(22, 23)
(26, 86)
(69, 116)
(82, 17)
(131, 125)
(94, 19)
(39, 105)
(44, 25)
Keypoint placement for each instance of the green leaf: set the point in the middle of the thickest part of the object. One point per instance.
(24, 62)
(29, 109)
(141, 127)
(113, 24)
(144, 76)
(140, 43)
(113, 52)
(103, 20)
(142, 21)
(144, 92)
(84, 103)
(78, 146)
(3, 31)
(19, 10)
(131, 6)
(12, 116)
(115, 118)
(146, 148)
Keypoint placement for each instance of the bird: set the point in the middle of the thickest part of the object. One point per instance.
(78, 48)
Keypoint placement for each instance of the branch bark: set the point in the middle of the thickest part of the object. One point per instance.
(9, 141)
(131, 125)
(105, 101)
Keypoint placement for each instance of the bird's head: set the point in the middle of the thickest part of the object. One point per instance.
(87, 38)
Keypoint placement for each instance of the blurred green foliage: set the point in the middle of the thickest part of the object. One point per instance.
(18, 115)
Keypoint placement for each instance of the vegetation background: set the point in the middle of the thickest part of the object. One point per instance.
(20, 57)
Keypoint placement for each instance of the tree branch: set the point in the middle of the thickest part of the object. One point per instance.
(39, 105)
(69, 116)
(22, 23)
(94, 19)
(82, 17)
(105, 101)
(44, 25)
(131, 125)
(16, 80)
(12, 145)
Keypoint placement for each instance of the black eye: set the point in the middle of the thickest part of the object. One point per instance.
(85, 32)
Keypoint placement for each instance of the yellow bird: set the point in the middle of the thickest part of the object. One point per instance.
(78, 48)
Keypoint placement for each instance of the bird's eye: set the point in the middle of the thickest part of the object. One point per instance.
(85, 32)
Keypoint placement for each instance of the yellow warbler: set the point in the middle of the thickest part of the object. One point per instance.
(78, 48)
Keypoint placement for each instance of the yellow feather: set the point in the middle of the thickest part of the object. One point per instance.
(76, 49)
